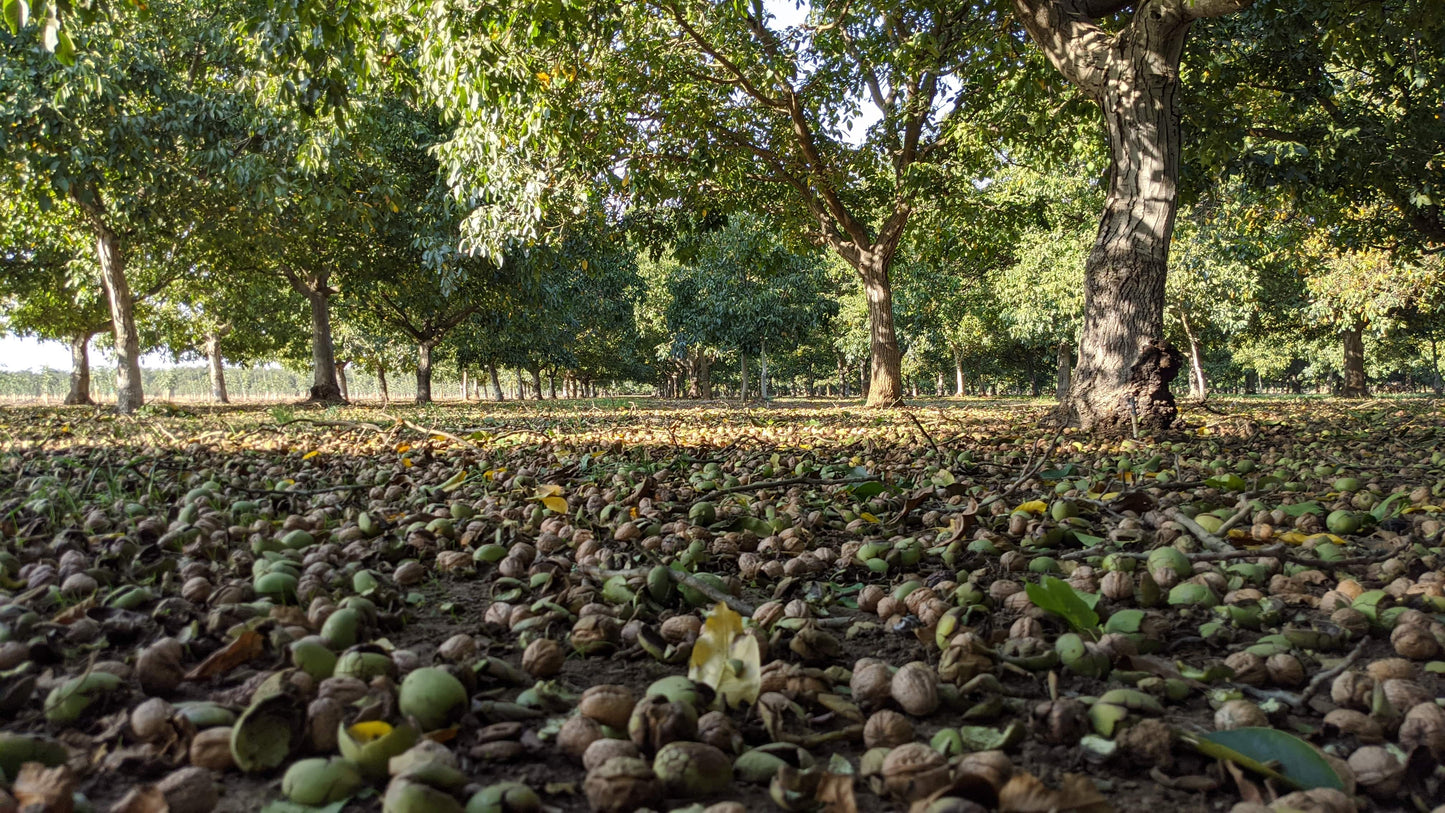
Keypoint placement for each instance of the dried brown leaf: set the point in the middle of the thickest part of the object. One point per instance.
(1025, 793)
(48, 789)
(142, 799)
(835, 793)
(248, 645)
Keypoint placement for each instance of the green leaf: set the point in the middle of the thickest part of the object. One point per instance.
(1124, 621)
(17, 13)
(1387, 509)
(867, 490)
(1058, 474)
(283, 806)
(64, 49)
(1301, 508)
(1056, 596)
(1257, 749)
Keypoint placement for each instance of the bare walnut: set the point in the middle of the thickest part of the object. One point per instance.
(887, 729)
(1248, 667)
(1424, 727)
(608, 704)
(915, 689)
(622, 784)
(543, 658)
(871, 683)
(656, 721)
(914, 771)
(1377, 771)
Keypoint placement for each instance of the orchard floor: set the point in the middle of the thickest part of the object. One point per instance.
(1307, 534)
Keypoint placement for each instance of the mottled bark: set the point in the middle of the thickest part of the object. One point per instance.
(423, 372)
(216, 362)
(497, 394)
(1355, 384)
(129, 395)
(1133, 75)
(79, 370)
(885, 386)
(325, 389)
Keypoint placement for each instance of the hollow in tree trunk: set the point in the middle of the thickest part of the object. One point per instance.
(1132, 73)
(325, 389)
(79, 370)
(1354, 384)
(128, 393)
(423, 372)
(215, 361)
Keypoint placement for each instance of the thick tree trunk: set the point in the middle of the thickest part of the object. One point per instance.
(80, 370)
(128, 393)
(552, 383)
(423, 372)
(1065, 371)
(381, 382)
(885, 386)
(324, 386)
(537, 382)
(1132, 72)
(1355, 385)
(497, 394)
(216, 361)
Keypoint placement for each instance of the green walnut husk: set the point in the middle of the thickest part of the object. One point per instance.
(690, 769)
(312, 656)
(267, 732)
(404, 795)
(69, 700)
(433, 696)
(321, 781)
(18, 749)
(505, 797)
(372, 744)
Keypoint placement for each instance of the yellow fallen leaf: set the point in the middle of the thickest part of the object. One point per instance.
(557, 504)
(369, 730)
(1032, 507)
(1292, 538)
(403, 448)
(311, 454)
(867, 517)
(726, 659)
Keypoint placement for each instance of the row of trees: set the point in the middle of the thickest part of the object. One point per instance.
(887, 193)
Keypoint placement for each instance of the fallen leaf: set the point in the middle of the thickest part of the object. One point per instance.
(47, 789)
(142, 799)
(1025, 793)
(74, 613)
(835, 793)
(248, 645)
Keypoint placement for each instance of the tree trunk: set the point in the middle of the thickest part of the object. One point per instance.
(324, 386)
(958, 379)
(1437, 385)
(341, 383)
(1065, 370)
(497, 394)
(842, 376)
(423, 372)
(552, 382)
(465, 397)
(128, 392)
(1198, 385)
(80, 370)
(703, 373)
(1354, 385)
(537, 381)
(763, 372)
(381, 382)
(1125, 366)
(743, 388)
(216, 362)
(885, 386)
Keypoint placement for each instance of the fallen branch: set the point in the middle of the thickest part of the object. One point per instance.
(926, 436)
(1322, 678)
